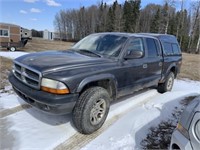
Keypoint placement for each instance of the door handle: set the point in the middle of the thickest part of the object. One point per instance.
(144, 66)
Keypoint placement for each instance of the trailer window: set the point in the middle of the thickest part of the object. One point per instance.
(3, 32)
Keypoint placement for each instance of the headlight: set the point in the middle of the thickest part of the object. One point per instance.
(197, 129)
(53, 86)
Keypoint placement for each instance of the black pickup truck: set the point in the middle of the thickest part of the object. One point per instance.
(95, 71)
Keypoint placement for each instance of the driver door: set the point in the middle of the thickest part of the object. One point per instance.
(134, 66)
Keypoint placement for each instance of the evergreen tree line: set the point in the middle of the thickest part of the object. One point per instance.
(74, 24)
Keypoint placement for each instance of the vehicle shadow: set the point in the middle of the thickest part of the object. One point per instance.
(122, 98)
(56, 120)
(45, 117)
(156, 133)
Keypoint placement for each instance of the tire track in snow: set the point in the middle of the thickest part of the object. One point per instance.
(77, 141)
(10, 111)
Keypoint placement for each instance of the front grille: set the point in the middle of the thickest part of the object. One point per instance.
(27, 75)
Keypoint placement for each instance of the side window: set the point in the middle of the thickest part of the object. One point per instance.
(176, 49)
(3, 32)
(158, 47)
(152, 48)
(167, 48)
(135, 44)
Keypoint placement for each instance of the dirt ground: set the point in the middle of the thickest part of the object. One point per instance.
(39, 44)
(190, 67)
(5, 68)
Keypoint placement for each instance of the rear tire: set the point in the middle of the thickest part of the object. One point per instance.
(167, 85)
(91, 110)
(12, 49)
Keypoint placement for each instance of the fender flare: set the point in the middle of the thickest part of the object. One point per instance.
(98, 77)
(168, 71)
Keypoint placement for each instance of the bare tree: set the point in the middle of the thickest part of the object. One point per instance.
(198, 43)
(195, 18)
(57, 25)
(181, 19)
(168, 5)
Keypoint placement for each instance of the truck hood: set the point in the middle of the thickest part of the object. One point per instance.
(52, 61)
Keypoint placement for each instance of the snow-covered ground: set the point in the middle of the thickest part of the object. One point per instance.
(127, 124)
(33, 129)
(12, 55)
(130, 129)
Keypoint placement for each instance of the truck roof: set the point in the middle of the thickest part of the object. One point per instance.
(162, 37)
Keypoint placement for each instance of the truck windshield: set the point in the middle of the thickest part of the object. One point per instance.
(107, 45)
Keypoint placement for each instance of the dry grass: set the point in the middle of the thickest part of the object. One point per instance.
(190, 67)
(5, 68)
(39, 44)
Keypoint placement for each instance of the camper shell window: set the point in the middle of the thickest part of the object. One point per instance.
(4, 33)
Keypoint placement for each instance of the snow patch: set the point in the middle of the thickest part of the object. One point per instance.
(125, 143)
(8, 101)
(8, 88)
(140, 111)
(134, 125)
(33, 126)
(12, 55)
(131, 102)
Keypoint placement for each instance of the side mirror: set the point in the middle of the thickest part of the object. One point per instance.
(134, 54)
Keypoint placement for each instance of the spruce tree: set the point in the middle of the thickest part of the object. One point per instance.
(110, 21)
(100, 23)
(155, 22)
(126, 16)
(131, 14)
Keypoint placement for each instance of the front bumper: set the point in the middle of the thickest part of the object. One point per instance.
(52, 103)
(181, 141)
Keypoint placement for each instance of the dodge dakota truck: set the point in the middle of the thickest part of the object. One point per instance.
(100, 68)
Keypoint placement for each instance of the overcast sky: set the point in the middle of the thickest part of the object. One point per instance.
(39, 14)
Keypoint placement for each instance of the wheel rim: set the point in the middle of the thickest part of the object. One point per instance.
(170, 83)
(12, 49)
(98, 111)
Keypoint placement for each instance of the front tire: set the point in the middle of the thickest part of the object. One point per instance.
(168, 84)
(91, 110)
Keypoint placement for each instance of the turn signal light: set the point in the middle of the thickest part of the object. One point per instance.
(55, 91)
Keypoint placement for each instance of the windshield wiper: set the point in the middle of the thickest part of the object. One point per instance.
(90, 52)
